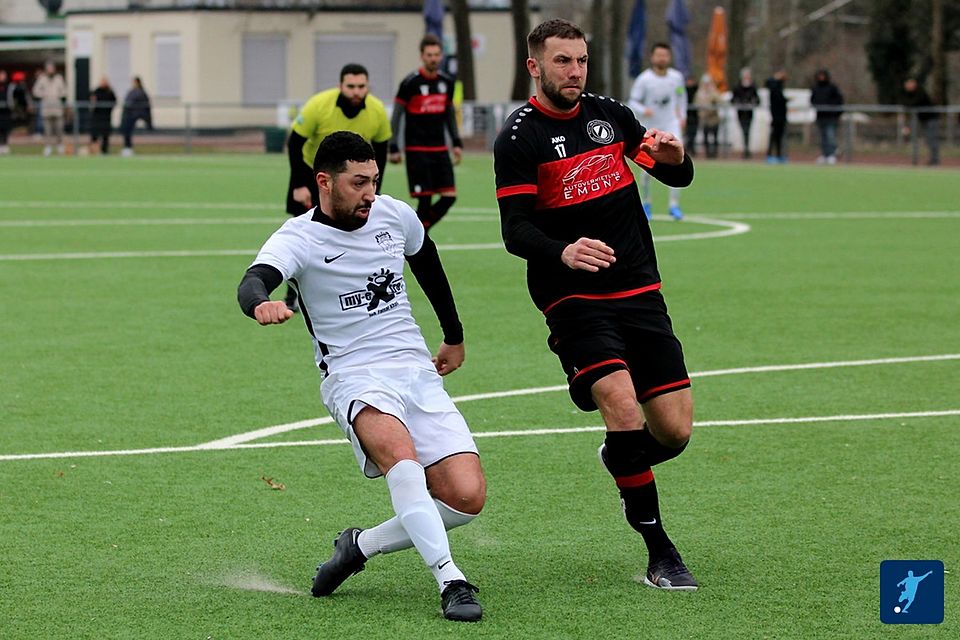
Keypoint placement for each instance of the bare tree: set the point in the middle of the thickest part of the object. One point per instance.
(520, 9)
(465, 73)
(736, 45)
(597, 76)
(938, 54)
(618, 39)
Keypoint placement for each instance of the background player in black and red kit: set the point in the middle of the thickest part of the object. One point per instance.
(570, 206)
(426, 98)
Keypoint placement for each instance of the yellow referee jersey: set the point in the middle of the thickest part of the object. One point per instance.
(321, 116)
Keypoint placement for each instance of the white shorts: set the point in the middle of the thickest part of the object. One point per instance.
(414, 396)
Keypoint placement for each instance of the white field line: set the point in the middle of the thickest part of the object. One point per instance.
(242, 440)
(851, 215)
(304, 424)
(139, 222)
(482, 434)
(731, 228)
(173, 222)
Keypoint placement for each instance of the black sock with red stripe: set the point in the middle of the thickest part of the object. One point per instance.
(626, 461)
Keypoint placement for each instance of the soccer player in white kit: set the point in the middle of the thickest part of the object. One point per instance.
(659, 100)
(345, 259)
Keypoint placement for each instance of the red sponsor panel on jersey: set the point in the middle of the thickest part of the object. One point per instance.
(429, 104)
(583, 177)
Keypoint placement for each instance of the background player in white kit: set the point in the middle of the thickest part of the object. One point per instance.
(659, 100)
(345, 258)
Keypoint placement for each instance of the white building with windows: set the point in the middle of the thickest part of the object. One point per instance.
(223, 63)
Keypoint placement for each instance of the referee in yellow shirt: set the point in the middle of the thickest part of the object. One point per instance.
(349, 107)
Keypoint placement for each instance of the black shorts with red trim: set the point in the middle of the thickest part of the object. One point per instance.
(594, 338)
(429, 172)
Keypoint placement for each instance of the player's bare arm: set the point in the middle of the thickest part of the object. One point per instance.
(457, 155)
(663, 146)
(588, 254)
(449, 358)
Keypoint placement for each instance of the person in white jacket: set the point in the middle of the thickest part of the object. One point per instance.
(659, 100)
(51, 91)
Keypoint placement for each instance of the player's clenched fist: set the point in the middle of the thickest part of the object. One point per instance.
(272, 312)
(588, 254)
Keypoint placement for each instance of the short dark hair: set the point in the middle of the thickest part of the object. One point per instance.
(430, 40)
(353, 69)
(660, 45)
(337, 149)
(555, 28)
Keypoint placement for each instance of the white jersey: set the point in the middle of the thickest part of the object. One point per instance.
(352, 292)
(665, 95)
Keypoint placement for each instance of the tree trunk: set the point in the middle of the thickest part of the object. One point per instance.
(465, 73)
(736, 46)
(618, 39)
(597, 68)
(520, 9)
(938, 54)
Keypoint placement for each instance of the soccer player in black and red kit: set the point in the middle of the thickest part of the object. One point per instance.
(570, 206)
(426, 98)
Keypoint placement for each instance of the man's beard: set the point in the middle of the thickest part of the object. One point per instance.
(345, 215)
(552, 91)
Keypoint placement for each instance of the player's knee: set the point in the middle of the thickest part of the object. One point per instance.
(466, 494)
(620, 409)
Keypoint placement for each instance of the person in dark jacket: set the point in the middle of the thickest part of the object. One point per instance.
(917, 99)
(102, 101)
(826, 98)
(6, 108)
(745, 99)
(778, 117)
(693, 117)
(136, 106)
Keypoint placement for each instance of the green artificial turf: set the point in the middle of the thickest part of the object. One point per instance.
(134, 341)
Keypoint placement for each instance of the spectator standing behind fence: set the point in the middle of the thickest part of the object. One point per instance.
(102, 102)
(136, 107)
(693, 118)
(19, 98)
(708, 101)
(776, 153)
(826, 94)
(745, 99)
(51, 91)
(916, 98)
(6, 117)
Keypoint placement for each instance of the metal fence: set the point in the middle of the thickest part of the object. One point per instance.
(868, 133)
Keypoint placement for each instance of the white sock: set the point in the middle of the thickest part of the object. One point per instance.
(421, 519)
(674, 197)
(390, 536)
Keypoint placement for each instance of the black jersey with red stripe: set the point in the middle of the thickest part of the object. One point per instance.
(427, 102)
(564, 176)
